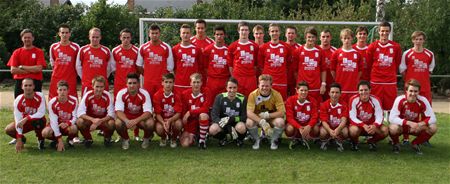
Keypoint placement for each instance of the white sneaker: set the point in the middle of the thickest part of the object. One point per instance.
(145, 143)
(13, 141)
(273, 145)
(138, 139)
(76, 140)
(125, 144)
(256, 144)
(163, 142)
(173, 143)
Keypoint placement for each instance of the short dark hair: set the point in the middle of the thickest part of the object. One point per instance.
(385, 24)
(219, 28)
(155, 27)
(168, 76)
(185, 26)
(232, 80)
(200, 21)
(364, 83)
(125, 30)
(292, 27)
(311, 30)
(326, 31)
(303, 83)
(64, 26)
(242, 23)
(26, 30)
(412, 82)
(362, 28)
(133, 76)
(63, 83)
(335, 85)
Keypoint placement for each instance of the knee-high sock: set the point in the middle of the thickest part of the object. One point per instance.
(123, 133)
(395, 138)
(421, 138)
(86, 133)
(375, 138)
(254, 132)
(276, 133)
(204, 126)
(136, 132)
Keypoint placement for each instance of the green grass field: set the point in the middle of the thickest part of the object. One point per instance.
(227, 164)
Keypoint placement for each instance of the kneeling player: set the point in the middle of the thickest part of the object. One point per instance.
(265, 108)
(134, 109)
(62, 114)
(228, 112)
(366, 117)
(333, 117)
(168, 108)
(96, 111)
(29, 111)
(195, 114)
(302, 117)
(412, 114)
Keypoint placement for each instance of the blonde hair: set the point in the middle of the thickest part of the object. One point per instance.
(96, 29)
(196, 76)
(265, 77)
(346, 32)
(415, 34)
(258, 28)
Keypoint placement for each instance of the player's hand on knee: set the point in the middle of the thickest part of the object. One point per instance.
(265, 126)
(223, 121)
(63, 125)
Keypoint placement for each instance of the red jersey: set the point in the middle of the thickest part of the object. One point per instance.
(62, 112)
(309, 64)
(166, 105)
(202, 44)
(63, 59)
(418, 65)
(33, 109)
(133, 105)
(27, 57)
(92, 62)
(347, 65)
(332, 114)
(156, 60)
(417, 111)
(365, 113)
(292, 48)
(194, 104)
(384, 60)
(243, 58)
(301, 114)
(124, 62)
(365, 68)
(274, 59)
(187, 61)
(327, 54)
(96, 107)
(216, 60)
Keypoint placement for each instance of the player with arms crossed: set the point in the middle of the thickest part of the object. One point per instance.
(62, 111)
(228, 114)
(412, 114)
(265, 108)
(168, 109)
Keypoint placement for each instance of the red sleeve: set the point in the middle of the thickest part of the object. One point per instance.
(175, 59)
(360, 62)
(322, 63)
(200, 66)
(41, 59)
(295, 58)
(324, 112)
(345, 110)
(314, 115)
(334, 60)
(256, 54)
(261, 57)
(231, 49)
(398, 56)
(288, 55)
(204, 60)
(178, 107)
(290, 117)
(370, 53)
(157, 103)
(13, 60)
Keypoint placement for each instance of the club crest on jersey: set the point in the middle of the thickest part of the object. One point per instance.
(339, 111)
(202, 99)
(391, 50)
(251, 48)
(308, 108)
(193, 51)
(238, 105)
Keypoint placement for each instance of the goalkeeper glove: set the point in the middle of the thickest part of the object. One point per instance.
(266, 127)
(264, 115)
(223, 121)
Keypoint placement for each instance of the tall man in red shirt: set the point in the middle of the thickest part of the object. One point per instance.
(243, 56)
(62, 112)
(63, 55)
(96, 111)
(29, 111)
(201, 40)
(27, 62)
(309, 65)
(93, 59)
(361, 47)
(273, 58)
(412, 114)
(215, 59)
(134, 109)
(187, 59)
(328, 49)
(291, 36)
(384, 58)
(154, 60)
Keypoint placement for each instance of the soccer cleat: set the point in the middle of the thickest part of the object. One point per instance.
(222, 142)
(293, 144)
(173, 143)
(100, 133)
(41, 144)
(13, 141)
(405, 142)
(202, 145)
(125, 144)
(53, 144)
(427, 144)
(145, 143)
(354, 146)
(274, 145)
(88, 143)
(239, 143)
(396, 148)
(107, 142)
(305, 143)
(70, 142)
(417, 149)
(138, 139)
(76, 140)
(372, 147)
(339, 146)
(323, 145)
(256, 144)
(163, 142)
(118, 139)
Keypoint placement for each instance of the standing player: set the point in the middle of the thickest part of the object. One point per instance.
(309, 65)
(134, 109)
(291, 36)
(62, 114)
(27, 62)
(273, 58)
(216, 62)
(168, 109)
(228, 114)
(195, 113)
(258, 34)
(187, 59)
(346, 66)
(366, 117)
(243, 55)
(412, 114)
(92, 60)
(361, 47)
(201, 40)
(328, 50)
(265, 108)
(384, 57)
(154, 60)
(301, 117)
(63, 55)
(418, 63)
(29, 111)
(333, 117)
(96, 111)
